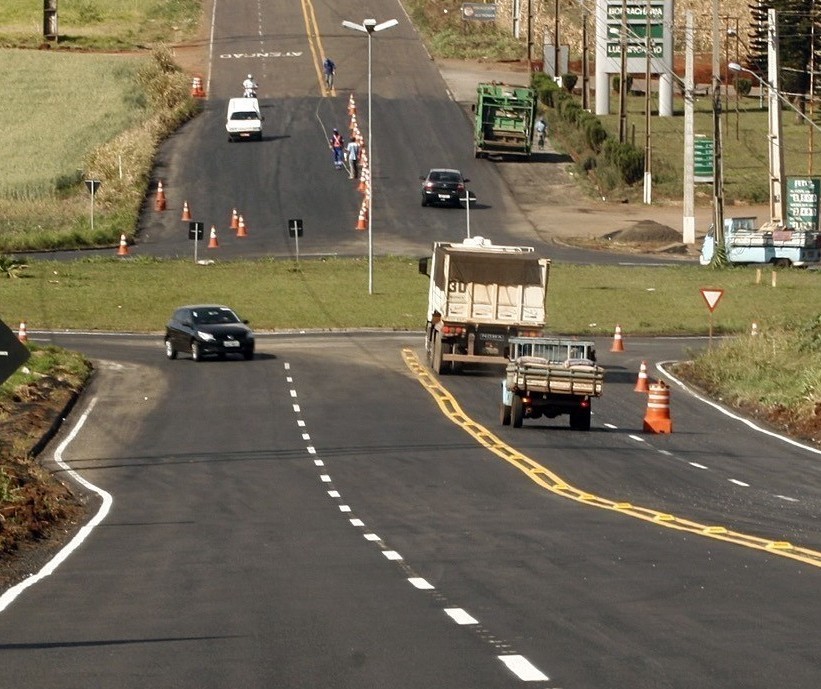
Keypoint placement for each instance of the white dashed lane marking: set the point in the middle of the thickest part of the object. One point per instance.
(517, 664)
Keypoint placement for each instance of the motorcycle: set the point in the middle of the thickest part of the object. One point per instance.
(249, 89)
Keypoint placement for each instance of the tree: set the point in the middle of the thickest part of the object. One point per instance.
(799, 43)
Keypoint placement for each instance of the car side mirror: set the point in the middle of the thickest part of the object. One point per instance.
(423, 266)
(466, 180)
(422, 177)
(188, 324)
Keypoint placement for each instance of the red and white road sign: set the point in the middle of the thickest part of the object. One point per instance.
(711, 296)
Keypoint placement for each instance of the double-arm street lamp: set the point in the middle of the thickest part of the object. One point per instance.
(369, 26)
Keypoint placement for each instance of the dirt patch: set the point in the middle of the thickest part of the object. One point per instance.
(39, 511)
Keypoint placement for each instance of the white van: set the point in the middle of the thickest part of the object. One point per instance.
(244, 120)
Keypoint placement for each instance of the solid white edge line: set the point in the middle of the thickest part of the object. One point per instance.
(523, 668)
(727, 412)
(11, 594)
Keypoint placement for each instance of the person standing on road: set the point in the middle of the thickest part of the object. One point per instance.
(329, 68)
(338, 148)
(541, 131)
(352, 152)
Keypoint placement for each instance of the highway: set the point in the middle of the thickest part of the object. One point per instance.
(318, 517)
(313, 517)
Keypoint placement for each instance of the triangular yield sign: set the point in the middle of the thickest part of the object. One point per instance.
(711, 296)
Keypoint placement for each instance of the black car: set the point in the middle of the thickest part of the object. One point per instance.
(443, 185)
(208, 329)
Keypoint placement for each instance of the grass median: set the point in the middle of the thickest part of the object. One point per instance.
(137, 294)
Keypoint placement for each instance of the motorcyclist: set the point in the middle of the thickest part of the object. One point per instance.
(249, 87)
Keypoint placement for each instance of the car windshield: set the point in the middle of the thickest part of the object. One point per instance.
(452, 177)
(214, 316)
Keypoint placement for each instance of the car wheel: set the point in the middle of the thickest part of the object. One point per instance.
(170, 351)
(424, 201)
(196, 352)
(249, 354)
(504, 414)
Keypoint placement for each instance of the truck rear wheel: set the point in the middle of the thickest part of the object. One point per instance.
(580, 419)
(517, 412)
(504, 414)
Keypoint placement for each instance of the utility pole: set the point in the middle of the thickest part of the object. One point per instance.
(648, 168)
(623, 74)
(585, 66)
(776, 136)
(689, 220)
(720, 253)
(529, 35)
(557, 53)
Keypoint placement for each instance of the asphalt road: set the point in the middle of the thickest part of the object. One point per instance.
(415, 124)
(229, 557)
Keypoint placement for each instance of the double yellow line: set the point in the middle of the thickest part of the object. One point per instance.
(314, 42)
(555, 484)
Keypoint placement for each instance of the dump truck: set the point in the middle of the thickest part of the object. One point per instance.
(480, 295)
(503, 120)
(550, 377)
(747, 243)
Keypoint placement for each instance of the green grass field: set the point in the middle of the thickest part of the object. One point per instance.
(138, 295)
(100, 24)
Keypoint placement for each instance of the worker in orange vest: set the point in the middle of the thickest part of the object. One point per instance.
(338, 148)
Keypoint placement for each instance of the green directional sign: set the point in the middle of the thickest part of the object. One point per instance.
(13, 353)
(802, 202)
(702, 159)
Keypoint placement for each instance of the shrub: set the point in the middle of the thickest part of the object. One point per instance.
(743, 86)
(569, 82)
(626, 158)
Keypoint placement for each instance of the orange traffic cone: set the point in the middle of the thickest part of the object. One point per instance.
(362, 223)
(159, 201)
(186, 212)
(241, 232)
(123, 250)
(657, 417)
(618, 344)
(351, 105)
(197, 91)
(641, 381)
(21, 333)
(234, 219)
(212, 242)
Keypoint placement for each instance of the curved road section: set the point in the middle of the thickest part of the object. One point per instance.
(317, 517)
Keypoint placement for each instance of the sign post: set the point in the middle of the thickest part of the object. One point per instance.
(196, 230)
(93, 185)
(295, 231)
(712, 297)
(13, 353)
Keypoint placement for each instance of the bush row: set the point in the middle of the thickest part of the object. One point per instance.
(603, 154)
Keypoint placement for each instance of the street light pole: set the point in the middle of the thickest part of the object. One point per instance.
(369, 26)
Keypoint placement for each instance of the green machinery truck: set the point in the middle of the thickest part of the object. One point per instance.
(504, 118)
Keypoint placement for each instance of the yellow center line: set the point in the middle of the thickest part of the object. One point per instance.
(547, 479)
(314, 41)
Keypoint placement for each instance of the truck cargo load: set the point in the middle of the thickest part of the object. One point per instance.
(503, 119)
(550, 377)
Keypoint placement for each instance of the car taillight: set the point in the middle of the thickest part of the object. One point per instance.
(452, 330)
(428, 185)
(460, 187)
